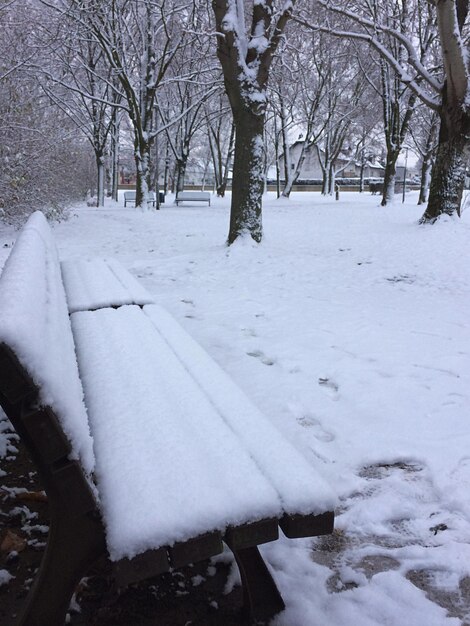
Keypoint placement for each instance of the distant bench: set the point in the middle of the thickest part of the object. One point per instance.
(163, 460)
(129, 196)
(193, 196)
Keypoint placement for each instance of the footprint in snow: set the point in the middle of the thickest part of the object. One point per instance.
(257, 354)
(249, 332)
(330, 387)
(307, 421)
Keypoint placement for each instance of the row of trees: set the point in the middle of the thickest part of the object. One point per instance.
(233, 82)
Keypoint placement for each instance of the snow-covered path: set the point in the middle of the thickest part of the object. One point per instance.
(348, 327)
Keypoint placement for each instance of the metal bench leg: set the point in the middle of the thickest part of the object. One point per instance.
(262, 600)
(73, 545)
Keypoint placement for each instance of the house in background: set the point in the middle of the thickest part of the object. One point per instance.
(346, 166)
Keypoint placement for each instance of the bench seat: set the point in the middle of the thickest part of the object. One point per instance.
(193, 196)
(168, 421)
(130, 196)
(97, 283)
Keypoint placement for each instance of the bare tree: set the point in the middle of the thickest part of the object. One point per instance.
(434, 30)
(80, 83)
(246, 56)
(139, 41)
(182, 109)
(43, 164)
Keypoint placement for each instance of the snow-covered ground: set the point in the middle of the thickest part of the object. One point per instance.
(348, 327)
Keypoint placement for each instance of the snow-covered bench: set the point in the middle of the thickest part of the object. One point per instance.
(147, 450)
(129, 196)
(193, 196)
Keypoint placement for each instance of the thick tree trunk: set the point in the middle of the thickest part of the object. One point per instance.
(180, 173)
(248, 179)
(448, 172)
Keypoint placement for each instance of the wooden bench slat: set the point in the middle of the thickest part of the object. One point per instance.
(194, 550)
(150, 563)
(248, 535)
(297, 526)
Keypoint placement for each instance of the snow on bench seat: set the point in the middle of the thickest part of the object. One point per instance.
(180, 450)
(193, 196)
(130, 196)
(34, 324)
(299, 488)
(96, 283)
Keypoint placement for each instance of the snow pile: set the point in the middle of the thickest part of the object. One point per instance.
(34, 323)
(96, 283)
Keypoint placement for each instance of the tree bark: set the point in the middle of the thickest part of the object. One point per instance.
(100, 179)
(142, 186)
(246, 58)
(181, 164)
(448, 172)
(389, 178)
(424, 179)
(453, 151)
(231, 144)
(245, 215)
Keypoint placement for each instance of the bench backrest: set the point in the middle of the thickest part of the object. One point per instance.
(35, 326)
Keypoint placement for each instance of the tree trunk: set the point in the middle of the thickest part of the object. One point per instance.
(247, 190)
(115, 157)
(180, 173)
(425, 178)
(332, 180)
(142, 176)
(389, 178)
(223, 184)
(167, 169)
(448, 172)
(100, 179)
(325, 185)
(427, 155)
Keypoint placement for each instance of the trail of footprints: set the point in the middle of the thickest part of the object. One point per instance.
(345, 551)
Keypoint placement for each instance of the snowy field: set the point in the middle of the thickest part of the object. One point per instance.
(348, 327)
